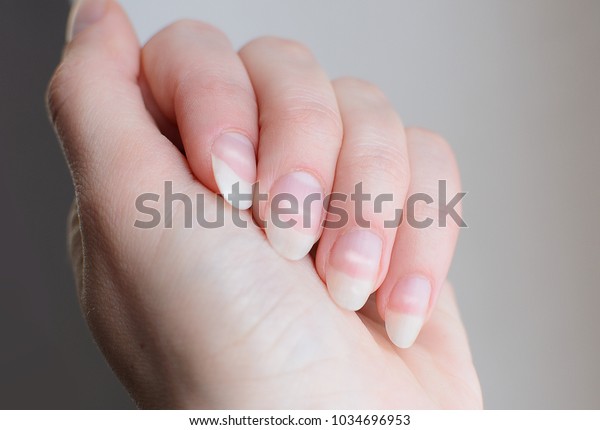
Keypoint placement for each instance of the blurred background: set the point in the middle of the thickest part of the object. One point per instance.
(513, 85)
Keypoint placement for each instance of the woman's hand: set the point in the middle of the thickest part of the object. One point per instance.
(231, 317)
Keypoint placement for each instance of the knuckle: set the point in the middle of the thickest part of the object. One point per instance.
(309, 112)
(375, 158)
(369, 101)
(432, 141)
(435, 148)
(185, 27)
(362, 87)
(288, 47)
(212, 82)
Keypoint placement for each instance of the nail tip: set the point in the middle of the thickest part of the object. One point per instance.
(347, 292)
(402, 329)
(288, 243)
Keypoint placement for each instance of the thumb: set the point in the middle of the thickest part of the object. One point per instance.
(112, 145)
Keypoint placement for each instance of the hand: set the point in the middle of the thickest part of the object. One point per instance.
(223, 317)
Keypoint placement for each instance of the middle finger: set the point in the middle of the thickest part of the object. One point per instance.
(300, 137)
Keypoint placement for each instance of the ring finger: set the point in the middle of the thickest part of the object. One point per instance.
(371, 182)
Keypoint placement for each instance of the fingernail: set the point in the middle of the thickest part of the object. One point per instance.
(296, 198)
(353, 268)
(83, 14)
(234, 162)
(406, 310)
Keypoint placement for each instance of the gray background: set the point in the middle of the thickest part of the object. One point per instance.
(515, 88)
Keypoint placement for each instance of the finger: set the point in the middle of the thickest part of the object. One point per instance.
(200, 82)
(112, 144)
(425, 240)
(371, 182)
(300, 136)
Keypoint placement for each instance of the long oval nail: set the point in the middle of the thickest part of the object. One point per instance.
(406, 310)
(353, 268)
(295, 209)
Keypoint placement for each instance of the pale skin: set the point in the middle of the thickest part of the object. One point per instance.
(248, 318)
